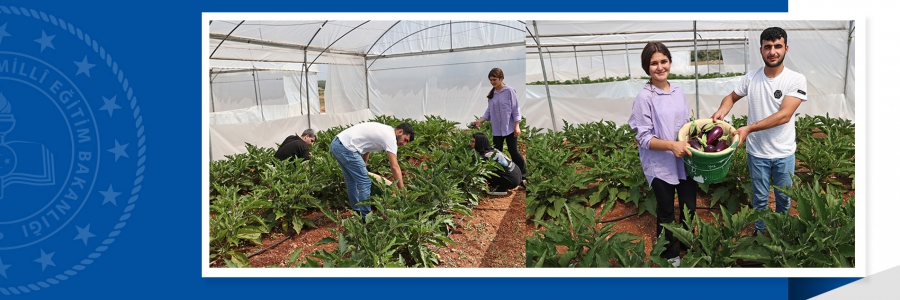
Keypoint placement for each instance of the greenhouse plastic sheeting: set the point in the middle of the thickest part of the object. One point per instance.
(583, 103)
(406, 69)
(823, 51)
(280, 40)
(229, 139)
(238, 93)
(345, 88)
(451, 85)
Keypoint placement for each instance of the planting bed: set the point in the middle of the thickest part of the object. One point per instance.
(282, 216)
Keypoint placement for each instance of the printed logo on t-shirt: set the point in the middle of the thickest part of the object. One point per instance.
(801, 92)
(778, 94)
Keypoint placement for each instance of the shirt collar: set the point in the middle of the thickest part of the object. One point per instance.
(652, 88)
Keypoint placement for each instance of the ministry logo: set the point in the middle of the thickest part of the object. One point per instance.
(71, 150)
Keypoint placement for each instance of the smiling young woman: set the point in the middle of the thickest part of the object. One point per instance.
(659, 110)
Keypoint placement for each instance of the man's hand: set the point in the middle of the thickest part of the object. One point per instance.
(517, 131)
(395, 169)
(720, 115)
(725, 107)
(743, 132)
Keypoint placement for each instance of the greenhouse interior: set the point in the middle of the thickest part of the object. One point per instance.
(263, 75)
(587, 71)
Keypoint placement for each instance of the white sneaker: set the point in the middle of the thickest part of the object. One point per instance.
(675, 261)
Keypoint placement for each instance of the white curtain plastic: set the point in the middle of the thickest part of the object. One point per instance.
(242, 96)
(428, 67)
(817, 49)
(451, 85)
(229, 139)
(612, 101)
(345, 88)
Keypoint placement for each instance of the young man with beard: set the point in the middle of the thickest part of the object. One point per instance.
(774, 93)
(351, 148)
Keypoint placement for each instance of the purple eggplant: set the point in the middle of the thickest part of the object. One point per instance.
(714, 134)
(694, 131)
(695, 144)
(710, 148)
(721, 145)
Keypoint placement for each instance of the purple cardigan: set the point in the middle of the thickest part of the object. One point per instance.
(504, 109)
(659, 114)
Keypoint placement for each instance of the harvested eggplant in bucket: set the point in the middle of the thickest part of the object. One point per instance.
(711, 145)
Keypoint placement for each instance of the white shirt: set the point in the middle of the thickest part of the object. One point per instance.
(369, 137)
(764, 97)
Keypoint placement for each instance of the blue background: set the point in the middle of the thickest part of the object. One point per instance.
(158, 45)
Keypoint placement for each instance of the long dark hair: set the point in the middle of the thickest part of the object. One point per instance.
(649, 50)
(482, 144)
(495, 72)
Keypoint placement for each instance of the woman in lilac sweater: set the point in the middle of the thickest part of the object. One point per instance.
(659, 111)
(503, 112)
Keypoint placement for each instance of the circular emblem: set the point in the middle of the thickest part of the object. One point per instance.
(71, 150)
(777, 94)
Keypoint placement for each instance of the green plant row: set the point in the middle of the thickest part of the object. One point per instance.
(823, 235)
(587, 79)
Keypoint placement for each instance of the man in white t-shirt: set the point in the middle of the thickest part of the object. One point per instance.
(351, 148)
(774, 93)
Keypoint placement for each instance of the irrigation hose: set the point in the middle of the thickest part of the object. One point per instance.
(707, 207)
(634, 214)
(750, 264)
(619, 218)
(457, 225)
(271, 246)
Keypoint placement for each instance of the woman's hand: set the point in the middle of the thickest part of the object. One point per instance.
(680, 149)
(517, 131)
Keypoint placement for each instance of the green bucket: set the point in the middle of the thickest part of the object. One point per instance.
(376, 188)
(708, 167)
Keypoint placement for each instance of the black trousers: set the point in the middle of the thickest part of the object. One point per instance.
(665, 209)
(513, 143)
(506, 180)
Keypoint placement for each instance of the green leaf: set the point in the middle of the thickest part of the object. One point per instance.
(539, 213)
(623, 194)
(847, 250)
(292, 259)
(326, 241)
(680, 233)
(756, 253)
(607, 207)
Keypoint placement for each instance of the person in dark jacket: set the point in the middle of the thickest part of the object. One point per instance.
(296, 146)
(508, 177)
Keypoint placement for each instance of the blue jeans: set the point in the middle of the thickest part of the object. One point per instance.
(779, 170)
(355, 175)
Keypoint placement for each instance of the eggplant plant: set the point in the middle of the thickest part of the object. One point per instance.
(822, 235)
(551, 180)
(585, 243)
